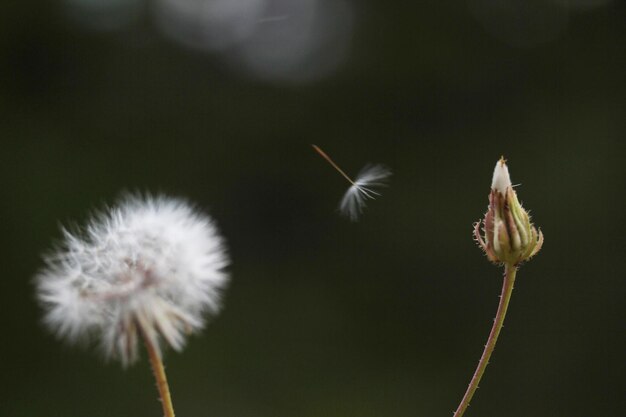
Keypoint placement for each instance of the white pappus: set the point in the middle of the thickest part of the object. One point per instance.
(363, 188)
(149, 267)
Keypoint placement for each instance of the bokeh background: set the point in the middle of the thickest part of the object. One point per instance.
(218, 101)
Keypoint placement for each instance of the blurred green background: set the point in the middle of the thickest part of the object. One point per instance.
(324, 317)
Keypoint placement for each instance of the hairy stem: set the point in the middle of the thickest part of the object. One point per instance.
(159, 376)
(505, 297)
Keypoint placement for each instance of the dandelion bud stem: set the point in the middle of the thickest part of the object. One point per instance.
(507, 288)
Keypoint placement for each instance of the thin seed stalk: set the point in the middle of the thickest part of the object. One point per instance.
(507, 288)
(160, 377)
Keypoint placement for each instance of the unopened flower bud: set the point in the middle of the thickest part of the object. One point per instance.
(509, 236)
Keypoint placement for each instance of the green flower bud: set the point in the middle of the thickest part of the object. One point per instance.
(509, 236)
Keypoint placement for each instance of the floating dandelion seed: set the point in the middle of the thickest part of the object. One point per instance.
(361, 189)
(149, 268)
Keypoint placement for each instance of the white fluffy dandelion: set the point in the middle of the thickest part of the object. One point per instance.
(362, 189)
(150, 267)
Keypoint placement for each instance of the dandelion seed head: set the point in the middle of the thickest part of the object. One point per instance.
(150, 267)
(364, 188)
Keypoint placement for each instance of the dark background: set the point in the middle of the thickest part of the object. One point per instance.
(324, 317)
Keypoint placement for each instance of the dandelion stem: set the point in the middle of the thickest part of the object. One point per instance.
(507, 288)
(330, 161)
(159, 375)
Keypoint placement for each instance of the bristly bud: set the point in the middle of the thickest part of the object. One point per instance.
(509, 236)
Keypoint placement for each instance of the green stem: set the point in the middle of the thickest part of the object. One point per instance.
(505, 297)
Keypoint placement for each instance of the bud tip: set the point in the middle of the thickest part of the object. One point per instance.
(501, 179)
